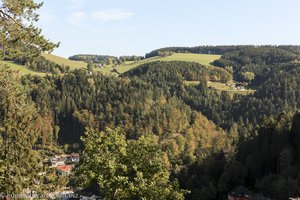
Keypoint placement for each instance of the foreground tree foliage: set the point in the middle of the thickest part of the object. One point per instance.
(20, 120)
(125, 169)
(19, 38)
(18, 160)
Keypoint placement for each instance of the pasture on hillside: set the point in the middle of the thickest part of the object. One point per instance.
(66, 62)
(23, 70)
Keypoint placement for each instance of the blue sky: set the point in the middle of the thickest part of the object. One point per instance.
(127, 27)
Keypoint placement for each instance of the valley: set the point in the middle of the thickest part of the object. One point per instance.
(208, 122)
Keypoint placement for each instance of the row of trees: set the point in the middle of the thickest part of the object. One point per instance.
(43, 65)
(105, 60)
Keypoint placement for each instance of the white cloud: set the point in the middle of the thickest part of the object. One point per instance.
(111, 15)
(77, 18)
(103, 16)
(76, 4)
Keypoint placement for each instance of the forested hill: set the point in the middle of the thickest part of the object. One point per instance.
(218, 50)
(201, 141)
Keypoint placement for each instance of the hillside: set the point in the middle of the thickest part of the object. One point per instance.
(53, 58)
(210, 124)
(204, 59)
(23, 70)
(66, 62)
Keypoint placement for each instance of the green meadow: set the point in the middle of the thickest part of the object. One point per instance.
(66, 62)
(20, 68)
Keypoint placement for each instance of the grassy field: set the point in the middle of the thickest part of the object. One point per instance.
(21, 69)
(204, 59)
(229, 89)
(63, 61)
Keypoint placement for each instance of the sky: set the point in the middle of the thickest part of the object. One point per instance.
(136, 27)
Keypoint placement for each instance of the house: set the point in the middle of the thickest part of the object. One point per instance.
(243, 193)
(57, 161)
(64, 170)
(73, 158)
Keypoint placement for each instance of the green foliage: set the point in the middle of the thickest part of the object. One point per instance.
(125, 169)
(43, 65)
(259, 60)
(175, 72)
(270, 159)
(19, 39)
(260, 151)
(99, 59)
(19, 161)
(214, 50)
(247, 76)
(21, 69)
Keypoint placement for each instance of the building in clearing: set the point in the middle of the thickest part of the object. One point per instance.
(64, 170)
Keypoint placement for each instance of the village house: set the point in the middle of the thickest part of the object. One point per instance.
(73, 158)
(56, 161)
(64, 170)
(63, 159)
